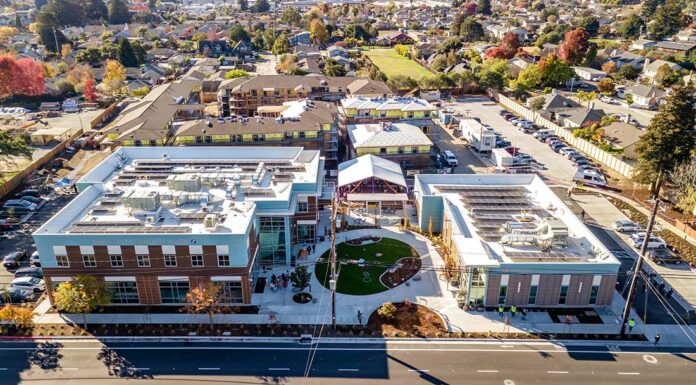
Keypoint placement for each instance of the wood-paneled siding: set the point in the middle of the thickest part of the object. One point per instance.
(549, 290)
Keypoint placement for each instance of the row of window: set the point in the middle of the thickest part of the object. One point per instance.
(256, 137)
(562, 297)
(172, 292)
(401, 150)
(143, 260)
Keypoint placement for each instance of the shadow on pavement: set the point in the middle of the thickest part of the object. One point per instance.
(46, 356)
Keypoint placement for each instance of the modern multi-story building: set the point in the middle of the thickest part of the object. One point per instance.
(242, 96)
(153, 222)
(402, 143)
(303, 123)
(512, 241)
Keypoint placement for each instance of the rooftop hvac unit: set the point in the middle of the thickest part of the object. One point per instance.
(210, 222)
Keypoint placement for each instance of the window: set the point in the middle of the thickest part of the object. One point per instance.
(230, 291)
(197, 260)
(153, 142)
(122, 292)
(564, 295)
(302, 207)
(223, 260)
(502, 294)
(272, 240)
(170, 260)
(143, 260)
(62, 261)
(532, 295)
(89, 261)
(594, 292)
(305, 233)
(302, 134)
(414, 150)
(383, 151)
(401, 150)
(173, 291)
(116, 260)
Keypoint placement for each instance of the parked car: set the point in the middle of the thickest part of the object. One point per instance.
(523, 158)
(30, 191)
(557, 146)
(29, 283)
(16, 295)
(552, 138)
(625, 226)
(31, 199)
(582, 162)
(29, 272)
(542, 134)
(450, 158)
(502, 143)
(512, 150)
(567, 151)
(509, 117)
(12, 260)
(34, 259)
(653, 243)
(19, 205)
(662, 256)
(504, 112)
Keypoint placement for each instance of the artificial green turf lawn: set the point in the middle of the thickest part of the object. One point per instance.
(350, 278)
(391, 63)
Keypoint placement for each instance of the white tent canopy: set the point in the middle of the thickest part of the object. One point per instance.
(370, 166)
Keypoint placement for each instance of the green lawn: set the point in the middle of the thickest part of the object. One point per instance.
(352, 278)
(391, 63)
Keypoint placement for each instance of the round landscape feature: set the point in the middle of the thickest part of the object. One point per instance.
(374, 266)
(302, 297)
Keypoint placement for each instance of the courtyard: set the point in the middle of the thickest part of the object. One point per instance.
(370, 266)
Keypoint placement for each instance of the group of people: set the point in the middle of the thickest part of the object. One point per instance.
(280, 281)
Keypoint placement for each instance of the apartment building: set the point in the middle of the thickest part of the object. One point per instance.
(303, 123)
(514, 242)
(243, 96)
(153, 222)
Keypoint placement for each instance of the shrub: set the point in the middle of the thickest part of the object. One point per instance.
(387, 311)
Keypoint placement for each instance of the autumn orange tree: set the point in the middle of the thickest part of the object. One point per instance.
(21, 317)
(20, 77)
(205, 299)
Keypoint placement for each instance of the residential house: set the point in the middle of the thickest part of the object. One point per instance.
(687, 35)
(579, 116)
(391, 38)
(301, 38)
(643, 96)
(623, 136)
(642, 44)
(591, 74)
(650, 69)
(677, 47)
(622, 58)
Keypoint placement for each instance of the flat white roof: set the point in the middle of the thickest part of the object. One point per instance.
(387, 134)
(370, 166)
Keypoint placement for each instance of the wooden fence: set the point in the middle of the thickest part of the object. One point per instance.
(603, 157)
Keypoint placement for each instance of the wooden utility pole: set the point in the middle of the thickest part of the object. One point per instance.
(332, 257)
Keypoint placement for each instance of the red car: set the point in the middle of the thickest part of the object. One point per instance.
(512, 150)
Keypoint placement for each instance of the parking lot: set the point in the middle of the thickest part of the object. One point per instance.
(557, 167)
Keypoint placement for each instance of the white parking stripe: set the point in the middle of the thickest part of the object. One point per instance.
(487, 371)
(69, 369)
(208, 368)
(278, 368)
(556, 372)
(419, 370)
(629, 373)
(348, 370)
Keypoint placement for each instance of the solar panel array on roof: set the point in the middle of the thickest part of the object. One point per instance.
(551, 256)
(130, 229)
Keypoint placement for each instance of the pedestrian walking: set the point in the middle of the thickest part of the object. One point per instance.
(359, 317)
(506, 321)
(524, 314)
(631, 324)
(501, 311)
(582, 215)
(657, 339)
(513, 310)
(569, 194)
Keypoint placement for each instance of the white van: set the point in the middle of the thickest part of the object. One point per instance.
(590, 177)
(542, 134)
(450, 158)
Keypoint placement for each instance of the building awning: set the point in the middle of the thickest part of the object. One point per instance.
(370, 166)
(377, 197)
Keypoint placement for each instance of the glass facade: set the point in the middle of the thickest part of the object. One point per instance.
(122, 292)
(306, 233)
(272, 240)
(230, 291)
(173, 291)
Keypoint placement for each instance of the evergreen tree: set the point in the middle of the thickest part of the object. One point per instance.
(648, 8)
(666, 21)
(669, 140)
(95, 10)
(471, 30)
(126, 55)
(484, 7)
(630, 29)
(118, 12)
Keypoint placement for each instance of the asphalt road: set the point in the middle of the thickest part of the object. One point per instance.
(248, 363)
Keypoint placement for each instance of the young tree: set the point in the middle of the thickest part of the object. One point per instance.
(81, 295)
(89, 91)
(387, 311)
(20, 317)
(318, 31)
(205, 300)
(281, 45)
(576, 47)
(118, 12)
(609, 67)
(537, 103)
(301, 278)
(669, 140)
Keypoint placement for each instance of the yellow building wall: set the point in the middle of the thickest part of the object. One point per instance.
(311, 134)
(392, 150)
(274, 137)
(186, 139)
(367, 150)
(247, 137)
(423, 149)
(221, 138)
(393, 113)
(326, 127)
(351, 111)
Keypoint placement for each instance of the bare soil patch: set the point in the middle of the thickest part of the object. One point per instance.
(410, 319)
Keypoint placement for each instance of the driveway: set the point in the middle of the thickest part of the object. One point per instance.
(557, 168)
